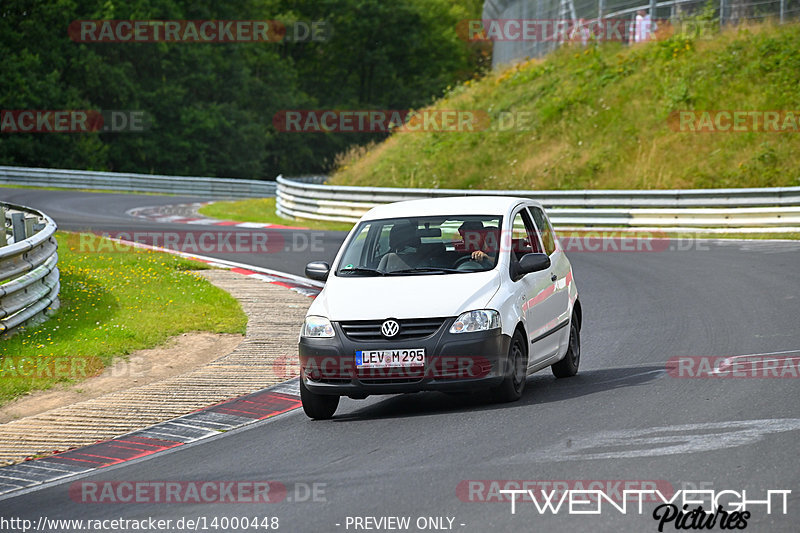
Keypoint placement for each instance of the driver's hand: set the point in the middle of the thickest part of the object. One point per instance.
(478, 255)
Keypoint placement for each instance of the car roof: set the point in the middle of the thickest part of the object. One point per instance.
(449, 205)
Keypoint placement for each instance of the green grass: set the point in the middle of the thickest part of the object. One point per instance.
(747, 236)
(599, 119)
(666, 233)
(263, 210)
(112, 303)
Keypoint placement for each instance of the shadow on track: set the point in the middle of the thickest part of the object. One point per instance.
(541, 389)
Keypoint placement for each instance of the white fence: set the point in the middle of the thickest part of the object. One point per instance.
(29, 280)
(768, 209)
(577, 13)
(775, 209)
(141, 183)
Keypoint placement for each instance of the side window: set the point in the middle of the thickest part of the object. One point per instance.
(548, 239)
(523, 236)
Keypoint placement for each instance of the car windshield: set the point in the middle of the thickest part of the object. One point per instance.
(452, 244)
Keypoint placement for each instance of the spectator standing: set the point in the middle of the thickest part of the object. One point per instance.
(642, 28)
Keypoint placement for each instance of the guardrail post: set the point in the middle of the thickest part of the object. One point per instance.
(18, 226)
(782, 9)
(29, 222)
(3, 240)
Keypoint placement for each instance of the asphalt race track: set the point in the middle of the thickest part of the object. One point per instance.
(623, 419)
(99, 212)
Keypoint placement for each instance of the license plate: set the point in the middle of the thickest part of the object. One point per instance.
(386, 358)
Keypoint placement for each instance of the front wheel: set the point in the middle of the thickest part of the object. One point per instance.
(568, 366)
(510, 389)
(317, 406)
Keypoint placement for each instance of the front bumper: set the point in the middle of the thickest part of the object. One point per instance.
(453, 362)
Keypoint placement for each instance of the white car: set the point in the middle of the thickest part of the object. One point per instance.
(446, 294)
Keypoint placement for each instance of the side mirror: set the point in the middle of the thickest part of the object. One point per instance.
(318, 270)
(532, 263)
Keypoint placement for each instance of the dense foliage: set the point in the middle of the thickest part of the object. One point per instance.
(210, 105)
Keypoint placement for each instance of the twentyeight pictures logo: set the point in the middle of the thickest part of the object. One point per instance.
(684, 509)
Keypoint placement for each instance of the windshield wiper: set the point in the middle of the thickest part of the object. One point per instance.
(427, 269)
(362, 270)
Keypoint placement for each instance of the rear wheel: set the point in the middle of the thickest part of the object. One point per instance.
(568, 366)
(318, 406)
(510, 389)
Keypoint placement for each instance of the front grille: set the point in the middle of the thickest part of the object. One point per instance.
(370, 330)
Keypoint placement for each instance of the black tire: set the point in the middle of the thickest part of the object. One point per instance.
(318, 406)
(568, 367)
(512, 386)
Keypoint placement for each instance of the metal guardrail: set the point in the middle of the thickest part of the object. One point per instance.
(29, 280)
(142, 183)
(776, 208)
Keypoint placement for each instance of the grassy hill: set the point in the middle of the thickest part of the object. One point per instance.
(599, 119)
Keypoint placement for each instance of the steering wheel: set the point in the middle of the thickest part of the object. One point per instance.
(461, 261)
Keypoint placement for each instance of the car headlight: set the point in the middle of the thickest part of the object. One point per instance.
(481, 320)
(317, 326)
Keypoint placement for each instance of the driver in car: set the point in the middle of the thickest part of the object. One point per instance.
(474, 235)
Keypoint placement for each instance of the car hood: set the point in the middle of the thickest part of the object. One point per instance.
(415, 296)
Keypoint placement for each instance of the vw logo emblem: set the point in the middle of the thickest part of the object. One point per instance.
(390, 328)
